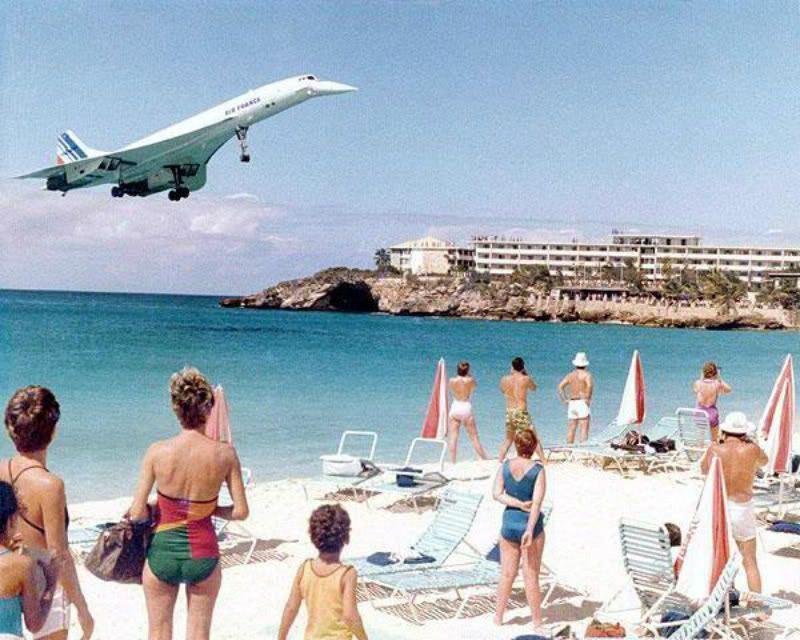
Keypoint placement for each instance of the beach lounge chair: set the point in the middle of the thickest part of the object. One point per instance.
(649, 564)
(422, 453)
(451, 523)
(231, 534)
(623, 460)
(481, 574)
(600, 440)
(694, 436)
(356, 444)
(777, 491)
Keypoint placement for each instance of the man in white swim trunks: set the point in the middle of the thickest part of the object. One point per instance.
(575, 390)
(741, 457)
(462, 387)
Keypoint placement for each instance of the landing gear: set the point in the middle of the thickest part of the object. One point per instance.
(117, 192)
(241, 135)
(180, 190)
(177, 194)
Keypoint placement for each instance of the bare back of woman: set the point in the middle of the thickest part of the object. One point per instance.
(188, 472)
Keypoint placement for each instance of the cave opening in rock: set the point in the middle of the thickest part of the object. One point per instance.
(352, 296)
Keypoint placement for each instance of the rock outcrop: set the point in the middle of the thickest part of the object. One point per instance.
(354, 290)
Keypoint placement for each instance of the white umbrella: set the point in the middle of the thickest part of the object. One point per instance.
(777, 422)
(708, 543)
(632, 406)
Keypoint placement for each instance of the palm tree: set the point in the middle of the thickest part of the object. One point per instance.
(607, 272)
(724, 290)
(632, 276)
(383, 260)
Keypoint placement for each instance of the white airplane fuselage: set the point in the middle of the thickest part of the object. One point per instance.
(175, 157)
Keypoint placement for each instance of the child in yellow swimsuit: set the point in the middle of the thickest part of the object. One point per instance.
(327, 586)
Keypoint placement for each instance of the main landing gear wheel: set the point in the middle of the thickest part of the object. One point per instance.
(177, 194)
(116, 192)
(180, 190)
(241, 135)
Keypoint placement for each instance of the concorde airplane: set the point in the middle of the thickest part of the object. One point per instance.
(175, 158)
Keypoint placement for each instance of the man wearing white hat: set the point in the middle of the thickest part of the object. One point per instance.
(741, 458)
(578, 398)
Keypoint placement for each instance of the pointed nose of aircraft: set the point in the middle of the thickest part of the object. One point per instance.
(331, 88)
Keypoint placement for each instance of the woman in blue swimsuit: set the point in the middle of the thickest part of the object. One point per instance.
(19, 595)
(520, 485)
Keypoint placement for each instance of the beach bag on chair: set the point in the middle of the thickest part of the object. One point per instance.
(120, 552)
(598, 629)
(632, 441)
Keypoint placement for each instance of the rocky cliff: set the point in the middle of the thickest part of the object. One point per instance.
(364, 291)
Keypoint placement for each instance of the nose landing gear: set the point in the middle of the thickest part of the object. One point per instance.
(241, 135)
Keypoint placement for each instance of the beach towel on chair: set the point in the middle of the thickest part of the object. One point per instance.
(385, 558)
(784, 526)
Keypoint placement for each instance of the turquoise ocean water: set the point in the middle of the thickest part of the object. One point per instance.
(294, 381)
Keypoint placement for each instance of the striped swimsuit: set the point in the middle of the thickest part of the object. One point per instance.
(184, 547)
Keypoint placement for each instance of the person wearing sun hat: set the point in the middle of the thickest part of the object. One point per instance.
(575, 390)
(741, 458)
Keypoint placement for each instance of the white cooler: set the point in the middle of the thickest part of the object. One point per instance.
(336, 464)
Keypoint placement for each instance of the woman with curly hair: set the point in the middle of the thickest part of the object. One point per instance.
(188, 472)
(31, 419)
(327, 585)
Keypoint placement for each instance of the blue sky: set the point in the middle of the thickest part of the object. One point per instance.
(544, 119)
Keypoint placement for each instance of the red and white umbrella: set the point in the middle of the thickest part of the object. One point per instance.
(632, 406)
(435, 425)
(709, 542)
(777, 422)
(218, 425)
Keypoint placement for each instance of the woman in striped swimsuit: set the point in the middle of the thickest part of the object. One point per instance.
(188, 471)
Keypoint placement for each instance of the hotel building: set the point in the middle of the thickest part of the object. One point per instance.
(500, 256)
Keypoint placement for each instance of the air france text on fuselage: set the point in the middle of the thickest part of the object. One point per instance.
(244, 105)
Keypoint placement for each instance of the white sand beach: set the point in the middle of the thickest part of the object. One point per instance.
(582, 547)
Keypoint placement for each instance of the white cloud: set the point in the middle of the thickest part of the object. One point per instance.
(243, 196)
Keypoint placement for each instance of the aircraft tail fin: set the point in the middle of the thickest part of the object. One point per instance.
(70, 148)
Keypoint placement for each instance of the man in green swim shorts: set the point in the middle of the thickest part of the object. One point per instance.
(515, 387)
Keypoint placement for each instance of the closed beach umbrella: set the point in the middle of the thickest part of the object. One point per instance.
(777, 422)
(435, 425)
(218, 425)
(632, 407)
(709, 541)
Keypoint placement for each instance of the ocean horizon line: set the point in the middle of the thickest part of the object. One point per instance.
(116, 293)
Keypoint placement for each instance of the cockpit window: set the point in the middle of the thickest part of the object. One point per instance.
(310, 78)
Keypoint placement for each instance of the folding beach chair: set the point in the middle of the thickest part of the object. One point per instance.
(480, 574)
(424, 481)
(358, 444)
(229, 533)
(600, 440)
(648, 562)
(694, 435)
(777, 491)
(624, 460)
(451, 523)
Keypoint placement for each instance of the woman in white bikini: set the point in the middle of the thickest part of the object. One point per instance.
(462, 387)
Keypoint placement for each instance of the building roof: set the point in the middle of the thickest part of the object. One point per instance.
(428, 242)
